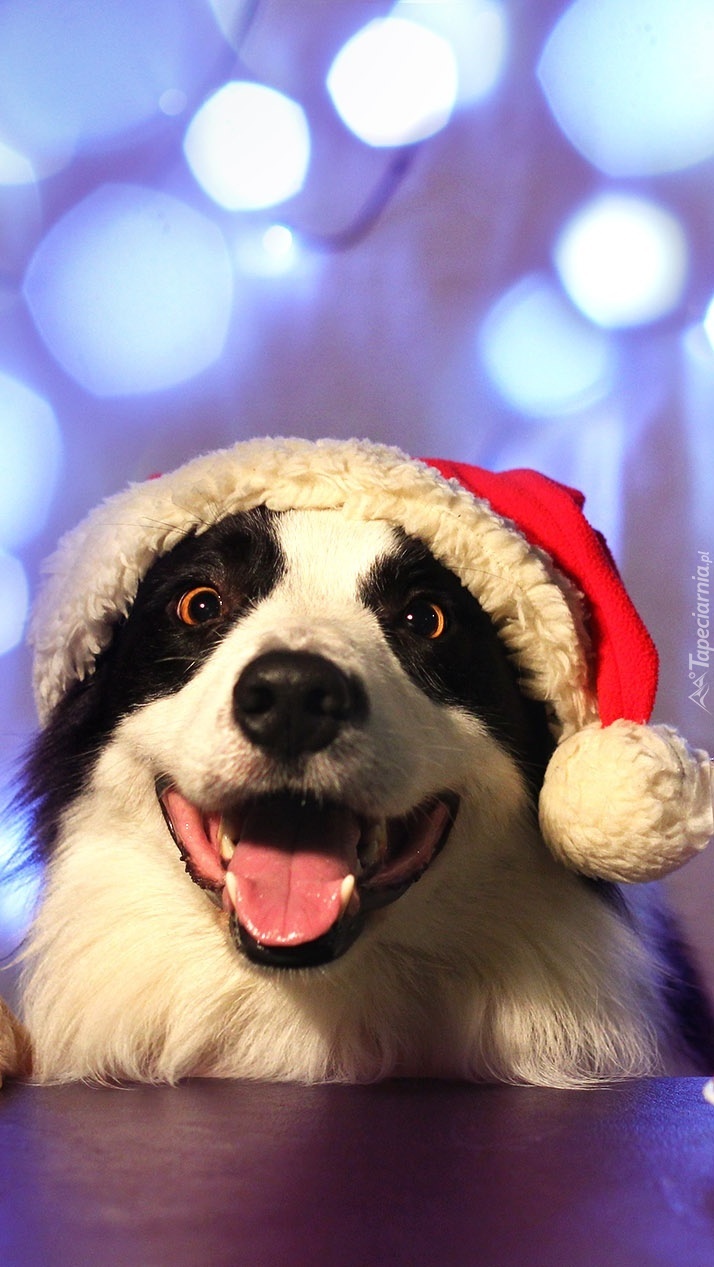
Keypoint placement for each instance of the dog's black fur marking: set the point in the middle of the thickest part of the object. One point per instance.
(468, 665)
(151, 654)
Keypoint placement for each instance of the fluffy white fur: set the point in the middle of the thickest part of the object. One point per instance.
(498, 963)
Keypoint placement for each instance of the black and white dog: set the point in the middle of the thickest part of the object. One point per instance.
(289, 816)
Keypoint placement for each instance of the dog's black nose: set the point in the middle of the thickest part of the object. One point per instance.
(292, 702)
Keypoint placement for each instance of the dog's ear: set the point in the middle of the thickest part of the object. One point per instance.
(60, 760)
(15, 1047)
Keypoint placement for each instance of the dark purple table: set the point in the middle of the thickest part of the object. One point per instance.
(222, 1174)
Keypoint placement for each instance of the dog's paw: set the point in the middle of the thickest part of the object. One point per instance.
(15, 1057)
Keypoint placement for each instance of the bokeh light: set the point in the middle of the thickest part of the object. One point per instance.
(623, 260)
(394, 82)
(15, 168)
(707, 326)
(476, 31)
(173, 102)
(74, 75)
(231, 16)
(16, 599)
(132, 291)
(271, 252)
(31, 447)
(631, 84)
(544, 359)
(248, 146)
(19, 886)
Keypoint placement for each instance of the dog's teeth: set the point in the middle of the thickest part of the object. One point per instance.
(347, 889)
(225, 844)
(232, 888)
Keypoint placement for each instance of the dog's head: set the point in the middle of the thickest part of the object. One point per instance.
(311, 695)
(314, 650)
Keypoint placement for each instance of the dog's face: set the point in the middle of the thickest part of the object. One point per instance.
(290, 821)
(310, 695)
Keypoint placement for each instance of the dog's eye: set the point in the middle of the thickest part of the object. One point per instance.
(198, 606)
(425, 618)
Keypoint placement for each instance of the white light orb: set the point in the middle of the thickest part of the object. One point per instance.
(248, 146)
(31, 448)
(543, 358)
(75, 76)
(630, 82)
(271, 252)
(132, 291)
(19, 886)
(477, 33)
(623, 260)
(394, 82)
(16, 599)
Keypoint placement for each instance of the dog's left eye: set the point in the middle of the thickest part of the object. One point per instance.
(425, 618)
(198, 606)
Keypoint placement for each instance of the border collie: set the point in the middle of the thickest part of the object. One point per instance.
(315, 734)
(290, 828)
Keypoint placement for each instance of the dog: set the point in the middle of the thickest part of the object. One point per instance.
(289, 817)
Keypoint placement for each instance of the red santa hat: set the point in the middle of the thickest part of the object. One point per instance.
(621, 800)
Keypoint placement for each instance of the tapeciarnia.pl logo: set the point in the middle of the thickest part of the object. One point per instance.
(702, 662)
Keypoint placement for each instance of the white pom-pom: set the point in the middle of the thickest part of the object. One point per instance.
(627, 802)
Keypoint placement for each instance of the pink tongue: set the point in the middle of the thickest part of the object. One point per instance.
(289, 865)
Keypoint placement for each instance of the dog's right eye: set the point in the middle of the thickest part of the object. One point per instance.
(425, 619)
(198, 606)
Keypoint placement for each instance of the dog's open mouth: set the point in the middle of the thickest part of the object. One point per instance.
(298, 875)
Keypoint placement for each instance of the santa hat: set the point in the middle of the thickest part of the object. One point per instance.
(621, 800)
